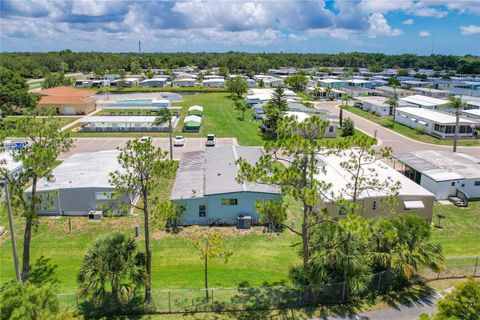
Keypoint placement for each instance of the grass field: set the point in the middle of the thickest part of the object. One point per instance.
(409, 132)
(220, 118)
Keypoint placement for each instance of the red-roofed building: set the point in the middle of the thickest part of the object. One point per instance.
(67, 101)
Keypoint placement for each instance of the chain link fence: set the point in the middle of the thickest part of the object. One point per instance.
(280, 297)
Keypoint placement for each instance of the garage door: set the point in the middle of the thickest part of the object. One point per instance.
(69, 111)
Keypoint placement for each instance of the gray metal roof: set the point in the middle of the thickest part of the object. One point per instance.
(214, 171)
(442, 165)
(83, 170)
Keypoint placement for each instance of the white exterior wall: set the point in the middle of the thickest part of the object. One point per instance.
(468, 186)
(216, 210)
(400, 118)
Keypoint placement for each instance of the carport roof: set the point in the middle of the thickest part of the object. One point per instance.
(214, 171)
(442, 165)
(83, 170)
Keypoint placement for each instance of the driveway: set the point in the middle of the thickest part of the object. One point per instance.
(99, 144)
(389, 138)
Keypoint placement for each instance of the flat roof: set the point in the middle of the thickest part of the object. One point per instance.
(338, 177)
(425, 101)
(433, 115)
(390, 89)
(360, 81)
(379, 101)
(83, 170)
(442, 165)
(331, 80)
(472, 112)
(414, 82)
(214, 171)
(118, 119)
(430, 90)
(7, 162)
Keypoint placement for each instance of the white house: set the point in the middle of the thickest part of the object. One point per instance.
(472, 114)
(434, 93)
(206, 186)
(9, 165)
(332, 83)
(81, 184)
(183, 83)
(377, 105)
(443, 173)
(331, 130)
(213, 83)
(411, 198)
(153, 83)
(422, 101)
(389, 92)
(435, 123)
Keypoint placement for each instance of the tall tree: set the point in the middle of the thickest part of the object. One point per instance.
(14, 95)
(142, 167)
(403, 244)
(393, 103)
(292, 163)
(345, 99)
(112, 263)
(361, 163)
(297, 82)
(56, 80)
(210, 245)
(456, 104)
(462, 303)
(237, 86)
(241, 106)
(275, 108)
(39, 156)
(164, 116)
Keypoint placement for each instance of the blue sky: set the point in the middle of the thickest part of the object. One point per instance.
(387, 26)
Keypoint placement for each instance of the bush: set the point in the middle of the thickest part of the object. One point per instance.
(348, 127)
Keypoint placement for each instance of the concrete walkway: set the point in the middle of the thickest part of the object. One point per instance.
(388, 138)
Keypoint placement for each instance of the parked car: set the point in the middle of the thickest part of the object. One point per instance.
(179, 141)
(15, 145)
(210, 142)
(145, 138)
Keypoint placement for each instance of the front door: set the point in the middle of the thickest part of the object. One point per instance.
(453, 189)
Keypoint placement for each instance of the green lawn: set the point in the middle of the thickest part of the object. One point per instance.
(460, 232)
(219, 118)
(10, 124)
(409, 132)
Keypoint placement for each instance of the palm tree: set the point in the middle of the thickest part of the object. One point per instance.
(112, 263)
(403, 244)
(164, 116)
(456, 104)
(345, 99)
(393, 103)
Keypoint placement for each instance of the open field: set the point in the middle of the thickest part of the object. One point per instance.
(220, 118)
(409, 132)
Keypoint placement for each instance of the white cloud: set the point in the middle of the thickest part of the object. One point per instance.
(379, 26)
(424, 34)
(469, 30)
(408, 22)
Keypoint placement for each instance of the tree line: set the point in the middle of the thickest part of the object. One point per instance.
(39, 64)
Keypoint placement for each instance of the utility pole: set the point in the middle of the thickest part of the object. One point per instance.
(12, 233)
(139, 47)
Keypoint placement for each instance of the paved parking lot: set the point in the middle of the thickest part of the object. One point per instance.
(98, 144)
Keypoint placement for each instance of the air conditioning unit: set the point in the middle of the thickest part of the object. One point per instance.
(244, 222)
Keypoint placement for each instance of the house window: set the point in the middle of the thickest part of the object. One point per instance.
(229, 202)
(202, 210)
(103, 195)
(477, 183)
(330, 129)
(374, 205)
(453, 184)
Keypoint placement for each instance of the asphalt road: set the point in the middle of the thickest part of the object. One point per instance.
(389, 138)
(410, 311)
(98, 144)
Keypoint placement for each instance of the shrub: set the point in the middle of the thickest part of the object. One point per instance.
(348, 127)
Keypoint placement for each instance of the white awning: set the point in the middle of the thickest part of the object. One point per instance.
(193, 118)
(196, 108)
(413, 204)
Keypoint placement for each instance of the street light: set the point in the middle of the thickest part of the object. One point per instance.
(4, 183)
